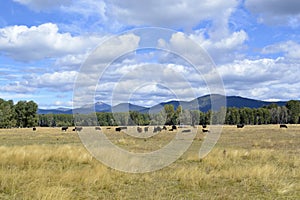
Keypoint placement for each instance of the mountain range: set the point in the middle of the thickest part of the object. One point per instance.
(201, 103)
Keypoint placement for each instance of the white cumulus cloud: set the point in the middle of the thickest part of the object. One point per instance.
(222, 50)
(170, 13)
(44, 41)
(290, 49)
(263, 78)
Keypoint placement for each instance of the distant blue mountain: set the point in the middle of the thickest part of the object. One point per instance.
(53, 111)
(98, 107)
(239, 102)
(202, 103)
(125, 107)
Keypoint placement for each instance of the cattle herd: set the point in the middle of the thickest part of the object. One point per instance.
(155, 128)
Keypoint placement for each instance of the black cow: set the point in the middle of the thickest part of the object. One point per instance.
(34, 129)
(283, 126)
(118, 129)
(64, 128)
(156, 129)
(174, 127)
(164, 128)
(240, 125)
(74, 129)
(204, 125)
(205, 131)
(97, 128)
(186, 131)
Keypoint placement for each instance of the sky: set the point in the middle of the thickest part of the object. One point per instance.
(55, 51)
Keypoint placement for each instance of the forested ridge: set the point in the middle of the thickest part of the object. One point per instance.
(24, 114)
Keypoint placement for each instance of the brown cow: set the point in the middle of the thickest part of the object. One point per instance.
(139, 129)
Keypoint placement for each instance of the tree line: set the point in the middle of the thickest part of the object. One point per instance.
(21, 114)
(24, 114)
(271, 114)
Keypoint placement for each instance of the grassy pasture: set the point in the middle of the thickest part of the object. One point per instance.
(259, 162)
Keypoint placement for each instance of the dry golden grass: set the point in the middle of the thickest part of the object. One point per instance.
(259, 162)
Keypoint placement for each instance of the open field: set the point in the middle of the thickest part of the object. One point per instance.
(259, 162)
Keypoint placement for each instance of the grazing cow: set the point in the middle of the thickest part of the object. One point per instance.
(139, 129)
(34, 129)
(146, 129)
(74, 129)
(174, 127)
(118, 129)
(205, 131)
(283, 126)
(79, 128)
(204, 125)
(164, 128)
(97, 128)
(64, 128)
(240, 125)
(156, 129)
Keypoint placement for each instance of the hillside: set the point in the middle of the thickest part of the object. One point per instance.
(201, 103)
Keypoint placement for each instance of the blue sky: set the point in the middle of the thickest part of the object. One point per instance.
(44, 44)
